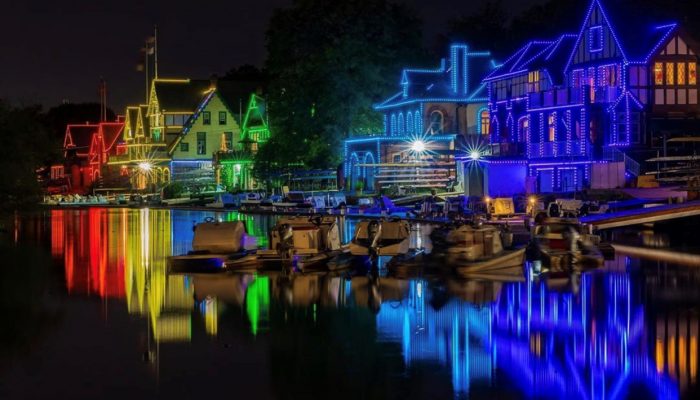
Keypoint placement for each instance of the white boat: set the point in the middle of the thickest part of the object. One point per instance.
(565, 245)
(216, 246)
(222, 200)
(478, 250)
(303, 242)
(381, 238)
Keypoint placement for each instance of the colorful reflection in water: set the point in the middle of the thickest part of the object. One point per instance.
(593, 337)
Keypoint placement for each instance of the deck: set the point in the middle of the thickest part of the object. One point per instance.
(643, 215)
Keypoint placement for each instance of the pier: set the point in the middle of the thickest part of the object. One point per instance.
(643, 215)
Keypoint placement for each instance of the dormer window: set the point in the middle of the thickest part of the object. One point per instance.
(595, 39)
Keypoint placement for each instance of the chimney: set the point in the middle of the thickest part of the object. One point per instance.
(459, 69)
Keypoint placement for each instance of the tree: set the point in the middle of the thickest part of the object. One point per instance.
(25, 145)
(485, 29)
(73, 113)
(329, 61)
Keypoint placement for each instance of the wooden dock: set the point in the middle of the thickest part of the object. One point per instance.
(643, 215)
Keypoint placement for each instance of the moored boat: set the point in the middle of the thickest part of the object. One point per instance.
(216, 246)
(478, 250)
(381, 238)
(564, 245)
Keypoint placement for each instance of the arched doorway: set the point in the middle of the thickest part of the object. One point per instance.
(354, 171)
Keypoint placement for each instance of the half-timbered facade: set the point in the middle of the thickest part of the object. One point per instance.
(576, 111)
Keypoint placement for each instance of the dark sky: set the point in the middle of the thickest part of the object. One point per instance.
(54, 50)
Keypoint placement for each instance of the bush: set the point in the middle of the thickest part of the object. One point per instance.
(172, 190)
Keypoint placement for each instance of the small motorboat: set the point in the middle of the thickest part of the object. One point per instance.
(565, 245)
(304, 242)
(478, 250)
(222, 200)
(381, 238)
(216, 246)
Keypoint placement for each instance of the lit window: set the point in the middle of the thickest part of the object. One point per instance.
(222, 117)
(680, 77)
(670, 73)
(206, 118)
(533, 79)
(692, 73)
(485, 123)
(524, 129)
(659, 73)
(552, 128)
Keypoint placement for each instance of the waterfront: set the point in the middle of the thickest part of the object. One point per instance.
(94, 314)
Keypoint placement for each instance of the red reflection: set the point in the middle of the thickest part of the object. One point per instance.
(84, 239)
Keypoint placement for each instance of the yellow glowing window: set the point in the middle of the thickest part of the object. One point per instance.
(485, 124)
(552, 128)
(659, 73)
(680, 77)
(670, 73)
(533, 78)
(692, 73)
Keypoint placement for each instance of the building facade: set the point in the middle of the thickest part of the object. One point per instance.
(87, 149)
(426, 124)
(584, 110)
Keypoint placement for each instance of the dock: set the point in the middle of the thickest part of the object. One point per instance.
(643, 215)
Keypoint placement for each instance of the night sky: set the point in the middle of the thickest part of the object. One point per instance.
(55, 50)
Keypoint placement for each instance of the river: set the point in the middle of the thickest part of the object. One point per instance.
(91, 312)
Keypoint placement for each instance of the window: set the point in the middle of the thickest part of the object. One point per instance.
(436, 122)
(392, 127)
(608, 75)
(201, 143)
(222, 117)
(409, 123)
(206, 118)
(533, 81)
(578, 78)
(401, 127)
(552, 127)
(485, 122)
(658, 73)
(523, 129)
(595, 39)
(680, 77)
(692, 73)
(228, 140)
(670, 73)
(184, 147)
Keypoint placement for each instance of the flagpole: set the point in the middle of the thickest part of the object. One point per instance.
(155, 51)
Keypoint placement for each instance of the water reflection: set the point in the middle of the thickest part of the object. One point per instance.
(595, 336)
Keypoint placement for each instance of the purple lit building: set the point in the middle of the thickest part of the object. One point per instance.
(584, 109)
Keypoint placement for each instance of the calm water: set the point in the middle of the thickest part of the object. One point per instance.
(90, 312)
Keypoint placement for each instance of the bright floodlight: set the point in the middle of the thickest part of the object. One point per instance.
(474, 155)
(145, 166)
(418, 146)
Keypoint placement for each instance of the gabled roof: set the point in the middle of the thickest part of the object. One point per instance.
(638, 40)
(444, 83)
(132, 116)
(235, 95)
(111, 131)
(79, 136)
(179, 95)
(519, 61)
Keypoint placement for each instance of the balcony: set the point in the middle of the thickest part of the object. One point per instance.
(558, 149)
(556, 98)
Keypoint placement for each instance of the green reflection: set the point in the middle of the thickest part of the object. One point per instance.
(257, 301)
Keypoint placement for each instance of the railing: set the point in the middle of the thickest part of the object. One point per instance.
(606, 94)
(557, 149)
(614, 155)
